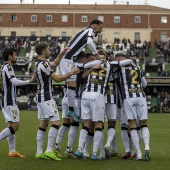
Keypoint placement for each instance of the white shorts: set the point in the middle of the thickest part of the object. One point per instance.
(48, 111)
(92, 106)
(11, 113)
(65, 107)
(66, 66)
(136, 108)
(124, 120)
(111, 111)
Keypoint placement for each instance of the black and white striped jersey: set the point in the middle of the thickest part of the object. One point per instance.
(130, 82)
(7, 89)
(81, 83)
(98, 78)
(44, 82)
(83, 38)
(110, 90)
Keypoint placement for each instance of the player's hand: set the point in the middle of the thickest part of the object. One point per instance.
(33, 78)
(75, 71)
(65, 50)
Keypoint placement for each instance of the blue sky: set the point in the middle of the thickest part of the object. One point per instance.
(160, 3)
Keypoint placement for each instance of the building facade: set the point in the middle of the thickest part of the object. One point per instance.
(142, 22)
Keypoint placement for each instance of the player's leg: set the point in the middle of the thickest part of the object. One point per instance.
(71, 139)
(89, 140)
(40, 139)
(143, 116)
(82, 138)
(65, 67)
(65, 126)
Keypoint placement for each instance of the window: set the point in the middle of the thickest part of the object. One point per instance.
(116, 35)
(33, 33)
(164, 19)
(13, 17)
(137, 35)
(48, 34)
(164, 36)
(116, 19)
(100, 38)
(84, 19)
(63, 34)
(13, 34)
(64, 18)
(101, 18)
(49, 18)
(0, 18)
(34, 18)
(137, 19)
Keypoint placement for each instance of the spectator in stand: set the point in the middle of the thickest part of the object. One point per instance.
(144, 44)
(162, 98)
(159, 72)
(23, 71)
(31, 97)
(124, 41)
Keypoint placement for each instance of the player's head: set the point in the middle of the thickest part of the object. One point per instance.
(43, 49)
(89, 57)
(80, 57)
(120, 55)
(102, 52)
(96, 25)
(10, 54)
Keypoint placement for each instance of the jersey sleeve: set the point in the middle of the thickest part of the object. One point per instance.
(90, 41)
(92, 64)
(9, 72)
(46, 68)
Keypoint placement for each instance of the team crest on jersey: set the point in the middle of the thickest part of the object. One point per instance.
(9, 68)
(55, 112)
(14, 113)
(11, 73)
(45, 65)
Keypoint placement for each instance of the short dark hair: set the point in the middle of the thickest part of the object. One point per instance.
(7, 52)
(96, 21)
(40, 47)
(89, 54)
(102, 52)
(80, 56)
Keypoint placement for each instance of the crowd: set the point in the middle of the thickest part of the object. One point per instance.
(99, 84)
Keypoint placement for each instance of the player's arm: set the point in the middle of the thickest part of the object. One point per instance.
(143, 80)
(17, 82)
(56, 62)
(58, 78)
(121, 63)
(86, 73)
(92, 64)
(92, 46)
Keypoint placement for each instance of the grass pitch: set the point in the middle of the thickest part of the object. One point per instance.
(159, 126)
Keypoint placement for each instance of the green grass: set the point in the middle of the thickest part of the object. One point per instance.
(26, 144)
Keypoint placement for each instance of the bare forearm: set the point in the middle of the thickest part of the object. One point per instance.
(56, 62)
(86, 73)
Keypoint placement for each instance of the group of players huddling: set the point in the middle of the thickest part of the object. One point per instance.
(96, 90)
